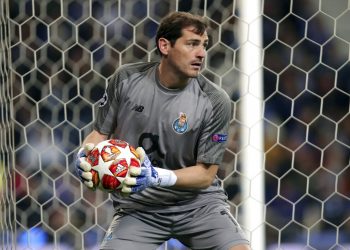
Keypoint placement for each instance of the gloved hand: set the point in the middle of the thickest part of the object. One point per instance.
(82, 167)
(147, 176)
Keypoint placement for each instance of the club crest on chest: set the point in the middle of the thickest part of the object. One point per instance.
(180, 124)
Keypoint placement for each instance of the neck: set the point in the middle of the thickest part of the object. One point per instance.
(169, 78)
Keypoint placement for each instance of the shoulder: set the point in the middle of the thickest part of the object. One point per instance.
(126, 73)
(129, 69)
(217, 99)
(215, 94)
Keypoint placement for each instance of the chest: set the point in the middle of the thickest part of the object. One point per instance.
(154, 110)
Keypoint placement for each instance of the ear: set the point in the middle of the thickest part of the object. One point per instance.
(163, 45)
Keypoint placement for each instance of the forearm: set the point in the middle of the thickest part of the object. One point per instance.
(199, 176)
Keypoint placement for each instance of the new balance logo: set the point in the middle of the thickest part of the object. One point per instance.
(138, 108)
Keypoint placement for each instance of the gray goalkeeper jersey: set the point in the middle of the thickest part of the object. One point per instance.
(176, 127)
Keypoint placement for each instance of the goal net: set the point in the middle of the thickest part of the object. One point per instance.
(290, 60)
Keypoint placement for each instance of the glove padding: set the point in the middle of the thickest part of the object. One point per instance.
(147, 175)
(82, 167)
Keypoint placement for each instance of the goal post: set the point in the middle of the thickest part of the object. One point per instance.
(7, 184)
(249, 33)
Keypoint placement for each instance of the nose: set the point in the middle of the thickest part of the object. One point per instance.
(202, 52)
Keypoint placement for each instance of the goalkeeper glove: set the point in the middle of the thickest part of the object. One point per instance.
(82, 167)
(147, 176)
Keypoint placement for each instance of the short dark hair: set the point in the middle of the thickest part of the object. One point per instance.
(171, 26)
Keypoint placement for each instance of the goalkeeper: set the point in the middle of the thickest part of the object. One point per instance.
(179, 120)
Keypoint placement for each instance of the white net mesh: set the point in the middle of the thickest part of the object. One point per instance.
(64, 52)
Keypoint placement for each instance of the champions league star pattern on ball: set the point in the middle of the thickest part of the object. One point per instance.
(110, 161)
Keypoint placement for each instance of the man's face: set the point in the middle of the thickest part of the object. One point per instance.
(187, 55)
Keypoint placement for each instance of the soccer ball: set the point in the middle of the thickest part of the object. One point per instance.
(110, 161)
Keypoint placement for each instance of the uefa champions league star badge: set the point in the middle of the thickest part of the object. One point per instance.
(103, 100)
(180, 124)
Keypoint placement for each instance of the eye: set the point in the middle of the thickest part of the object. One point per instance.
(193, 44)
(196, 43)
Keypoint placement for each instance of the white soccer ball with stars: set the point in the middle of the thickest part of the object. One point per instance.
(110, 162)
